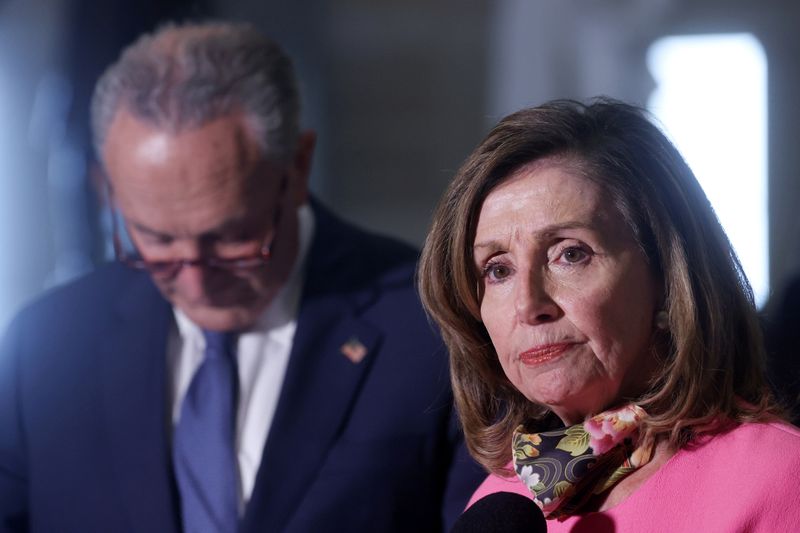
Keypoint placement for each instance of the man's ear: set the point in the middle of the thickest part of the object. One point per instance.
(301, 164)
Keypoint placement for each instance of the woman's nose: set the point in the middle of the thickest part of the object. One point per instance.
(534, 302)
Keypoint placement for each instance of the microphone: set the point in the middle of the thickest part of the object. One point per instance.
(501, 512)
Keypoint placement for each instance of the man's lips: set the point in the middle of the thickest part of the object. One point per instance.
(545, 352)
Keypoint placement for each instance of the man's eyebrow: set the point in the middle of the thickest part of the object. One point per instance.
(232, 224)
(138, 226)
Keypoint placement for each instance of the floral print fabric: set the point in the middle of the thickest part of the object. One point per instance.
(565, 468)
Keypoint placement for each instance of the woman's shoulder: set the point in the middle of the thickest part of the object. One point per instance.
(769, 452)
(778, 429)
(747, 474)
(761, 440)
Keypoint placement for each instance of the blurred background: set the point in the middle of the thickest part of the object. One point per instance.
(401, 91)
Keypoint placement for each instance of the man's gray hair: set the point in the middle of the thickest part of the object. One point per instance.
(183, 76)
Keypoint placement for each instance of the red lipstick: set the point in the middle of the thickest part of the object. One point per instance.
(542, 354)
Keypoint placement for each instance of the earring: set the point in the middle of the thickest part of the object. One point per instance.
(662, 320)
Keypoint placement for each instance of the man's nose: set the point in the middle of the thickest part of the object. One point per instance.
(534, 300)
(191, 279)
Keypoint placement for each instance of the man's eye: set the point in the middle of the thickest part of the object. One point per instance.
(236, 238)
(244, 235)
(157, 240)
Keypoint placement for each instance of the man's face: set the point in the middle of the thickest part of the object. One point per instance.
(201, 193)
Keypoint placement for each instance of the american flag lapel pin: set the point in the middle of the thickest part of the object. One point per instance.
(354, 350)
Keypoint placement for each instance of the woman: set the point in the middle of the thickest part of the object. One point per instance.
(606, 357)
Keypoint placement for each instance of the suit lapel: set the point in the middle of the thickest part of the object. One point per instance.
(331, 354)
(135, 407)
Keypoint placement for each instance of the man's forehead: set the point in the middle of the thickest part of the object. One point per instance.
(222, 144)
(218, 183)
(155, 148)
(128, 120)
(228, 212)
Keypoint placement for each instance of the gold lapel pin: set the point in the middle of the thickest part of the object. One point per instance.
(354, 350)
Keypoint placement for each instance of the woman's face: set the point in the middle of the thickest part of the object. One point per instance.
(568, 298)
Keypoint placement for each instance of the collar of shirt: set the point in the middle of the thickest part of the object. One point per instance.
(262, 357)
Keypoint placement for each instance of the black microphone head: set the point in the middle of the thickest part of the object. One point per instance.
(501, 512)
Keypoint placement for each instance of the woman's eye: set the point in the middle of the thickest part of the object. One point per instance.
(572, 255)
(496, 271)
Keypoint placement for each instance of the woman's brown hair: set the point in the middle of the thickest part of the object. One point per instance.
(712, 358)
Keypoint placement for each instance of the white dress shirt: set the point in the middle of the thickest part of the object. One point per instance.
(262, 357)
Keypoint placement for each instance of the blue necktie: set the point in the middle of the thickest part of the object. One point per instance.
(203, 443)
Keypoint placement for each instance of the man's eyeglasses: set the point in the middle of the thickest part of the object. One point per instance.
(171, 268)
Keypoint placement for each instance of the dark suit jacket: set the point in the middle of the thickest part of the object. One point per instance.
(84, 425)
(782, 335)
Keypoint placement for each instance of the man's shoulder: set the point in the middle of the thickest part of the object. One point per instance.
(91, 294)
(343, 253)
(345, 233)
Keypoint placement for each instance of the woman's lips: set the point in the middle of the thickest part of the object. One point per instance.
(546, 352)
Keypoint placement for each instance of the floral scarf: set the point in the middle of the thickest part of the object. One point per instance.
(565, 468)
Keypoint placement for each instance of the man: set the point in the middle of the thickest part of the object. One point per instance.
(251, 362)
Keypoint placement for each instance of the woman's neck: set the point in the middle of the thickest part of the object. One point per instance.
(628, 486)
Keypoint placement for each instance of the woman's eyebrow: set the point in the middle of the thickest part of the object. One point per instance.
(554, 229)
(542, 233)
(486, 244)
